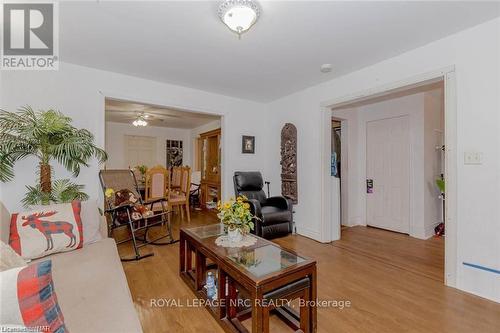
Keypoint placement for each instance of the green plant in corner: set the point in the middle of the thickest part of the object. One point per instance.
(440, 184)
(63, 190)
(142, 169)
(47, 135)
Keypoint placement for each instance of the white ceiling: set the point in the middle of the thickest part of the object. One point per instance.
(126, 112)
(184, 43)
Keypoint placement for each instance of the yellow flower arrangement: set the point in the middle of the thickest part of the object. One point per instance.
(109, 192)
(235, 214)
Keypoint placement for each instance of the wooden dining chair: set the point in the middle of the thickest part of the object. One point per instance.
(176, 178)
(180, 197)
(157, 184)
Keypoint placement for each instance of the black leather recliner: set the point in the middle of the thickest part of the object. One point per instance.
(275, 213)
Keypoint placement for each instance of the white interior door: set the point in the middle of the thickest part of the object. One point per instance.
(388, 166)
(140, 150)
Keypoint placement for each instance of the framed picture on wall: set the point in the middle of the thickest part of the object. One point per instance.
(248, 144)
(174, 153)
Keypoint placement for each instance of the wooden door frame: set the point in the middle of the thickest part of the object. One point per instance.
(447, 75)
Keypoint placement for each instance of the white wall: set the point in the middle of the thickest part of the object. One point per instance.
(475, 53)
(115, 142)
(80, 91)
(424, 204)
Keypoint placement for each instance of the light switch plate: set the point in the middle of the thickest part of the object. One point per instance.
(473, 158)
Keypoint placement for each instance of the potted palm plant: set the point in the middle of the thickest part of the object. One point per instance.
(236, 216)
(47, 135)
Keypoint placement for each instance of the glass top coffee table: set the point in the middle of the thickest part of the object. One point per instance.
(252, 281)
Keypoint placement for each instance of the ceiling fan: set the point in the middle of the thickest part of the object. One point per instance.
(140, 118)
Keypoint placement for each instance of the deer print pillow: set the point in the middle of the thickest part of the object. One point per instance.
(40, 232)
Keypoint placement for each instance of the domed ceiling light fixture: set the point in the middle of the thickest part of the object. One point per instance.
(140, 121)
(239, 15)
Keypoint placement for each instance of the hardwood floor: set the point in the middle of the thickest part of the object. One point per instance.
(424, 257)
(393, 282)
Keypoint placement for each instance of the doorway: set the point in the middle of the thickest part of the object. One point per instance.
(354, 213)
(394, 160)
(141, 136)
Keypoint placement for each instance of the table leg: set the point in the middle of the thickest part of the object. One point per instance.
(182, 253)
(221, 284)
(265, 319)
(201, 266)
(257, 313)
(305, 321)
(189, 259)
(313, 297)
(231, 299)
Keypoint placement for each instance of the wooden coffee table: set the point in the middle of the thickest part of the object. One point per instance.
(252, 281)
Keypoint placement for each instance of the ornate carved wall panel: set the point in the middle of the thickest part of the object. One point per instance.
(289, 162)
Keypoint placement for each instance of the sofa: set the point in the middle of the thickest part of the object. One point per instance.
(90, 284)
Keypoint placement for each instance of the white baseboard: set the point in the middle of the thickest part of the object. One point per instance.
(310, 234)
